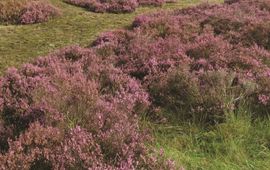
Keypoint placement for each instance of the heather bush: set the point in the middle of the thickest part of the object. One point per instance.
(151, 2)
(114, 6)
(26, 11)
(176, 55)
(259, 35)
(72, 110)
(205, 99)
(139, 55)
(10, 10)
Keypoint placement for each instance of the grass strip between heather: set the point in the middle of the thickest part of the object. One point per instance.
(20, 44)
(238, 143)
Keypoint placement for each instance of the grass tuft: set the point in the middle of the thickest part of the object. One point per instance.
(238, 143)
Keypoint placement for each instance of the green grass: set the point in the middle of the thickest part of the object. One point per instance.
(240, 143)
(20, 44)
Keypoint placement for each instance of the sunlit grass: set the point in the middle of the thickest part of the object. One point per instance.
(19, 44)
(238, 143)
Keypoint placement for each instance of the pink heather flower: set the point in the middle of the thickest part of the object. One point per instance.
(161, 152)
(38, 11)
(115, 6)
(264, 99)
(267, 72)
(27, 11)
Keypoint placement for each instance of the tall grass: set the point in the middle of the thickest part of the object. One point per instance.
(241, 142)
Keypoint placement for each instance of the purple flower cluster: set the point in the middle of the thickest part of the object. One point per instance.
(37, 12)
(192, 60)
(72, 110)
(115, 6)
(27, 11)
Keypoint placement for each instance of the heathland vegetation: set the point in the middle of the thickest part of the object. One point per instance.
(181, 89)
(26, 11)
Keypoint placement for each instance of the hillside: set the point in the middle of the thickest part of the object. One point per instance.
(182, 86)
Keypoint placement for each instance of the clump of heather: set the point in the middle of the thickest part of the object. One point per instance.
(151, 2)
(72, 110)
(114, 6)
(26, 11)
(199, 62)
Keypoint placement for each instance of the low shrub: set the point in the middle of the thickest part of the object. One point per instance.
(205, 99)
(115, 6)
(26, 11)
(197, 41)
(72, 110)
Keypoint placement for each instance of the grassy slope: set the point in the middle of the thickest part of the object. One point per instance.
(19, 44)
